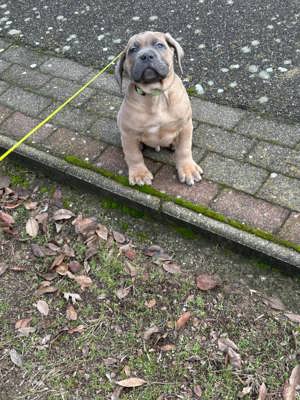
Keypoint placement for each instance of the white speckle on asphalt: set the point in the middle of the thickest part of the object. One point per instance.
(117, 41)
(282, 69)
(263, 99)
(60, 17)
(136, 18)
(197, 31)
(33, 65)
(255, 42)
(14, 32)
(287, 62)
(246, 49)
(270, 26)
(100, 37)
(110, 58)
(3, 6)
(253, 68)
(199, 89)
(220, 90)
(269, 69)
(273, 175)
(71, 37)
(278, 40)
(153, 18)
(264, 75)
(210, 83)
(233, 84)
(105, 49)
(66, 48)
(234, 66)
(224, 69)
(202, 46)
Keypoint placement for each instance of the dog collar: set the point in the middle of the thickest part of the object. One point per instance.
(154, 92)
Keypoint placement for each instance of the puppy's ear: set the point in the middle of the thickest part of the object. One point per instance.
(119, 70)
(178, 49)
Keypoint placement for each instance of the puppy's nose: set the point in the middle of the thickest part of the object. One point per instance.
(147, 56)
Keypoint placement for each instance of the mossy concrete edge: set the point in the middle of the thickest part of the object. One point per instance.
(151, 202)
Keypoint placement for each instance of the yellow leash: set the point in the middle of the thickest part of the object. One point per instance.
(47, 119)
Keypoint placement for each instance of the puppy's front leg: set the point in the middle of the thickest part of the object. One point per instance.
(137, 170)
(188, 171)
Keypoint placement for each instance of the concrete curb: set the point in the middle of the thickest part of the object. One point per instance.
(152, 203)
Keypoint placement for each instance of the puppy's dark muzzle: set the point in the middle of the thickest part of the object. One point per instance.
(149, 67)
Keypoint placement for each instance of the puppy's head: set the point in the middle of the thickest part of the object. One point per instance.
(148, 58)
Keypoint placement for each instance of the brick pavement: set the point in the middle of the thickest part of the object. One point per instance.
(251, 164)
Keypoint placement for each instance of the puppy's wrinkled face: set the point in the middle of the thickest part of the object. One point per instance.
(148, 57)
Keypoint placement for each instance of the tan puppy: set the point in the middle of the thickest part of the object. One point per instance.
(156, 110)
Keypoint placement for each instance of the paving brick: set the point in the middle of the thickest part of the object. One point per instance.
(24, 101)
(23, 56)
(27, 78)
(250, 210)
(221, 141)
(4, 113)
(203, 192)
(276, 158)
(258, 127)
(18, 124)
(3, 66)
(291, 229)
(113, 160)
(70, 117)
(104, 104)
(66, 142)
(167, 156)
(104, 82)
(61, 89)
(3, 86)
(241, 176)
(106, 130)
(282, 190)
(214, 114)
(64, 68)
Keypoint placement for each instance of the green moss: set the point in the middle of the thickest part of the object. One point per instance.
(191, 91)
(18, 180)
(198, 208)
(185, 232)
(112, 204)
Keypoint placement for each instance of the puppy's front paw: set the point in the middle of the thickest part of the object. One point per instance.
(140, 176)
(189, 172)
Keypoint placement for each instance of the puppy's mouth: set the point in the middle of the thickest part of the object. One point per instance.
(149, 74)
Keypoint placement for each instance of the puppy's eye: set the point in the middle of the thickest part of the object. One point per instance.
(133, 50)
(160, 45)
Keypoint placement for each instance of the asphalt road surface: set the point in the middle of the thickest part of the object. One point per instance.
(243, 53)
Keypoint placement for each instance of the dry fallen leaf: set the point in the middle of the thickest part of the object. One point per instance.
(102, 232)
(234, 358)
(57, 261)
(123, 292)
(151, 303)
(77, 329)
(172, 268)
(71, 313)
(228, 347)
(168, 347)
(151, 331)
(207, 282)
(182, 320)
(119, 237)
(45, 290)
(128, 251)
(289, 390)
(224, 344)
(291, 317)
(74, 266)
(30, 205)
(32, 227)
(198, 391)
(62, 214)
(22, 323)
(153, 250)
(43, 307)
(3, 268)
(73, 296)
(262, 394)
(130, 269)
(38, 251)
(274, 303)
(131, 382)
(6, 218)
(84, 281)
(62, 269)
(16, 358)
(85, 225)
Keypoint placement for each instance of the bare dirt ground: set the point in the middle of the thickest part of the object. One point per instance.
(99, 301)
